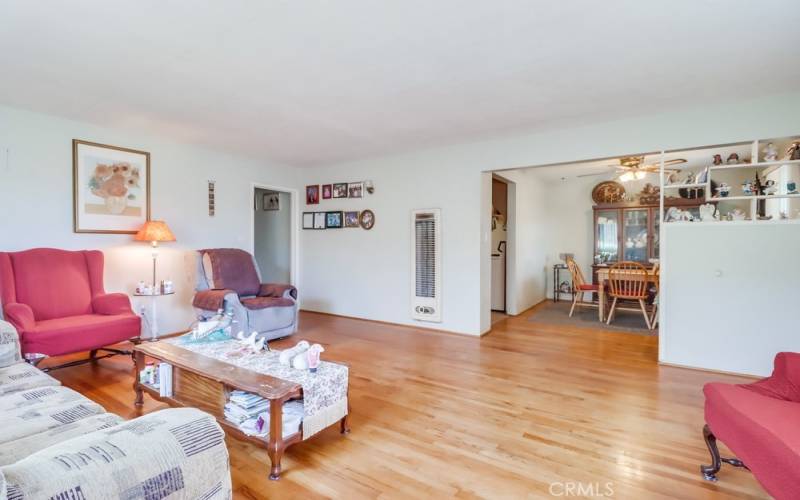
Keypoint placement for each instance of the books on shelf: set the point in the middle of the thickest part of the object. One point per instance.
(165, 380)
(250, 413)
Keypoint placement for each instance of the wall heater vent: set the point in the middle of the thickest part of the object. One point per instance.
(426, 299)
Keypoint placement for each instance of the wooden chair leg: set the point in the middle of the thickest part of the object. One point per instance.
(644, 313)
(575, 298)
(611, 312)
(654, 317)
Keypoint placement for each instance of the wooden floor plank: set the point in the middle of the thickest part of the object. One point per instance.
(439, 415)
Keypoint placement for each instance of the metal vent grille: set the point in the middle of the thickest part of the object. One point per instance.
(425, 232)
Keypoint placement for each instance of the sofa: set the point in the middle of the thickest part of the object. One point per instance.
(56, 301)
(760, 424)
(55, 443)
(229, 279)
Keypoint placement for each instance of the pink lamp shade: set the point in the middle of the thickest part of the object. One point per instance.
(154, 231)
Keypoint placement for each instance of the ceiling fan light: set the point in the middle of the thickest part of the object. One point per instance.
(640, 175)
(627, 176)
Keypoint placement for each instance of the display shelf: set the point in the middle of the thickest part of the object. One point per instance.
(755, 165)
(687, 186)
(754, 197)
(732, 222)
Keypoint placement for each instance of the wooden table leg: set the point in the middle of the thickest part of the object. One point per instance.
(601, 302)
(344, 424)
(275, 446)
(138, 366)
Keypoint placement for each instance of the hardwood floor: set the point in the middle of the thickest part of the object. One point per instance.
(503, 416)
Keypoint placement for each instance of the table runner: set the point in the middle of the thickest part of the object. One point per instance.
(324, 392)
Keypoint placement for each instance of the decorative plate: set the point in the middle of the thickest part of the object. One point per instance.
(367, 219)
(608, 192)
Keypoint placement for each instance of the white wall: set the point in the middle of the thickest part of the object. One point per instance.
(272, 238)
(377, 263)
(731, 295)
(36, 201)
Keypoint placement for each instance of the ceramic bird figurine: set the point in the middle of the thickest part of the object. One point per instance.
(251, 342)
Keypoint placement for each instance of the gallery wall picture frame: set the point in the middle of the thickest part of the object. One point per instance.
(308, 220)
(327, 191)
(319, 220)
(367, 219)
(340, 190)
(271, 201)
(312, 194)
(334, 219)
(355, 190)
(351, 219)
(110, 188)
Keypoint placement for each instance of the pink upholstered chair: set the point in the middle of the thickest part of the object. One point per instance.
(55, 299)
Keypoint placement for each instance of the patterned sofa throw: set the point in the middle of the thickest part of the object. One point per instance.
(9, 345)
(176, 454)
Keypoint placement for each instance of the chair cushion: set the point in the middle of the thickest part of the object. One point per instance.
(22, 376)
(80, 333)
(231, 268)
(53, 283)
(265, 302)
(589, 287)
(26, 421)
(761, 431)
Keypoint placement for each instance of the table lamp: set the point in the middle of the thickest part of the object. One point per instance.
(154, 231)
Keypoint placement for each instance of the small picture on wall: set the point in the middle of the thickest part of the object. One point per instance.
(367, 219)
(340, 190)
(327, 191)
(308, 220)
(356, 189)
(312, 194)
(319, 220)
(351, 219)
(271, 201)
(333, 220)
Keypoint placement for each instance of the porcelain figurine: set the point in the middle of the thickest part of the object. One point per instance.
(770, 152)
(723, 190)
(770, 187)
(717, 159)
(733, 159)
(250, 342)
(300, 362)
(793, 152)
(736, 214)
(747, 188)
(791, 187)
(708, 212)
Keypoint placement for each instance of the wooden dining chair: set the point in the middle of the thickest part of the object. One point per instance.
(656, 274)
(580, 288)
(628, 281)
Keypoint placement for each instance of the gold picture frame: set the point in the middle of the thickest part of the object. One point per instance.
(110, 188)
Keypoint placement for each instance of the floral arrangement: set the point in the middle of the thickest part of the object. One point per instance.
(115, 180)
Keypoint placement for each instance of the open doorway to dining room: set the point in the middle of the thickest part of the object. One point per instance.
(274, 236)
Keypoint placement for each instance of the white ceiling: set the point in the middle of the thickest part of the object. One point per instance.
(313, 82)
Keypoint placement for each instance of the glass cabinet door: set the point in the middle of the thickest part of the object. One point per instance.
(656, 233)
(607, 237)
(635, 234)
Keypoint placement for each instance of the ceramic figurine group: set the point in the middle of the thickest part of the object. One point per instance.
(303, 356)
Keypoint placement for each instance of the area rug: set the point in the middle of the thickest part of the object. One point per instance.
(557, 313)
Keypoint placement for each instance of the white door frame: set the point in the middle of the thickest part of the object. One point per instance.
(294, 232)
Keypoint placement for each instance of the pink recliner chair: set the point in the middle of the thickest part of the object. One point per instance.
(55, 299)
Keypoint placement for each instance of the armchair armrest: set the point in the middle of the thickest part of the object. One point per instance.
(20, 316)
(178, 453)
(214, 300)
(111, 303)
(277, 290)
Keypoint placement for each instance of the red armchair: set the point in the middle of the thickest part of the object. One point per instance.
(759, 422)
(55, 299)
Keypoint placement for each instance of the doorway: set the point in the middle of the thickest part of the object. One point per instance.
(499, 249)
(274, 235)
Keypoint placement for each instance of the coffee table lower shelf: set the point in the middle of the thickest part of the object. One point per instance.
(206, 384)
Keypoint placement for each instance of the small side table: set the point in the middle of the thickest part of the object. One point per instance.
(153, 313)
(557, 268)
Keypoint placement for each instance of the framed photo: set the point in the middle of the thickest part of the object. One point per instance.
(351, 219)
(308, 220)
(333, 220)
(319, 220)
(355, 189)
(111, 188)
(312, 194)
(340, 190)
(327, 191)
(271, 201)
(367, 219)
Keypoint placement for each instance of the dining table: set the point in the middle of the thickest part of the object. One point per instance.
(602, 278)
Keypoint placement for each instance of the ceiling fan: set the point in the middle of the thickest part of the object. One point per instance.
(633, 167)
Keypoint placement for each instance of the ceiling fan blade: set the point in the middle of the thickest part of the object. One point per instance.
(592, 175)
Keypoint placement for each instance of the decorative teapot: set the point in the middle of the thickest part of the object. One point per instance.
(723, 190)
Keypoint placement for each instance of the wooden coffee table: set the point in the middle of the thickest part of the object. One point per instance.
(205, 383)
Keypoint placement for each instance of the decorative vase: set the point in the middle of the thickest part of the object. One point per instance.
(116, 204)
